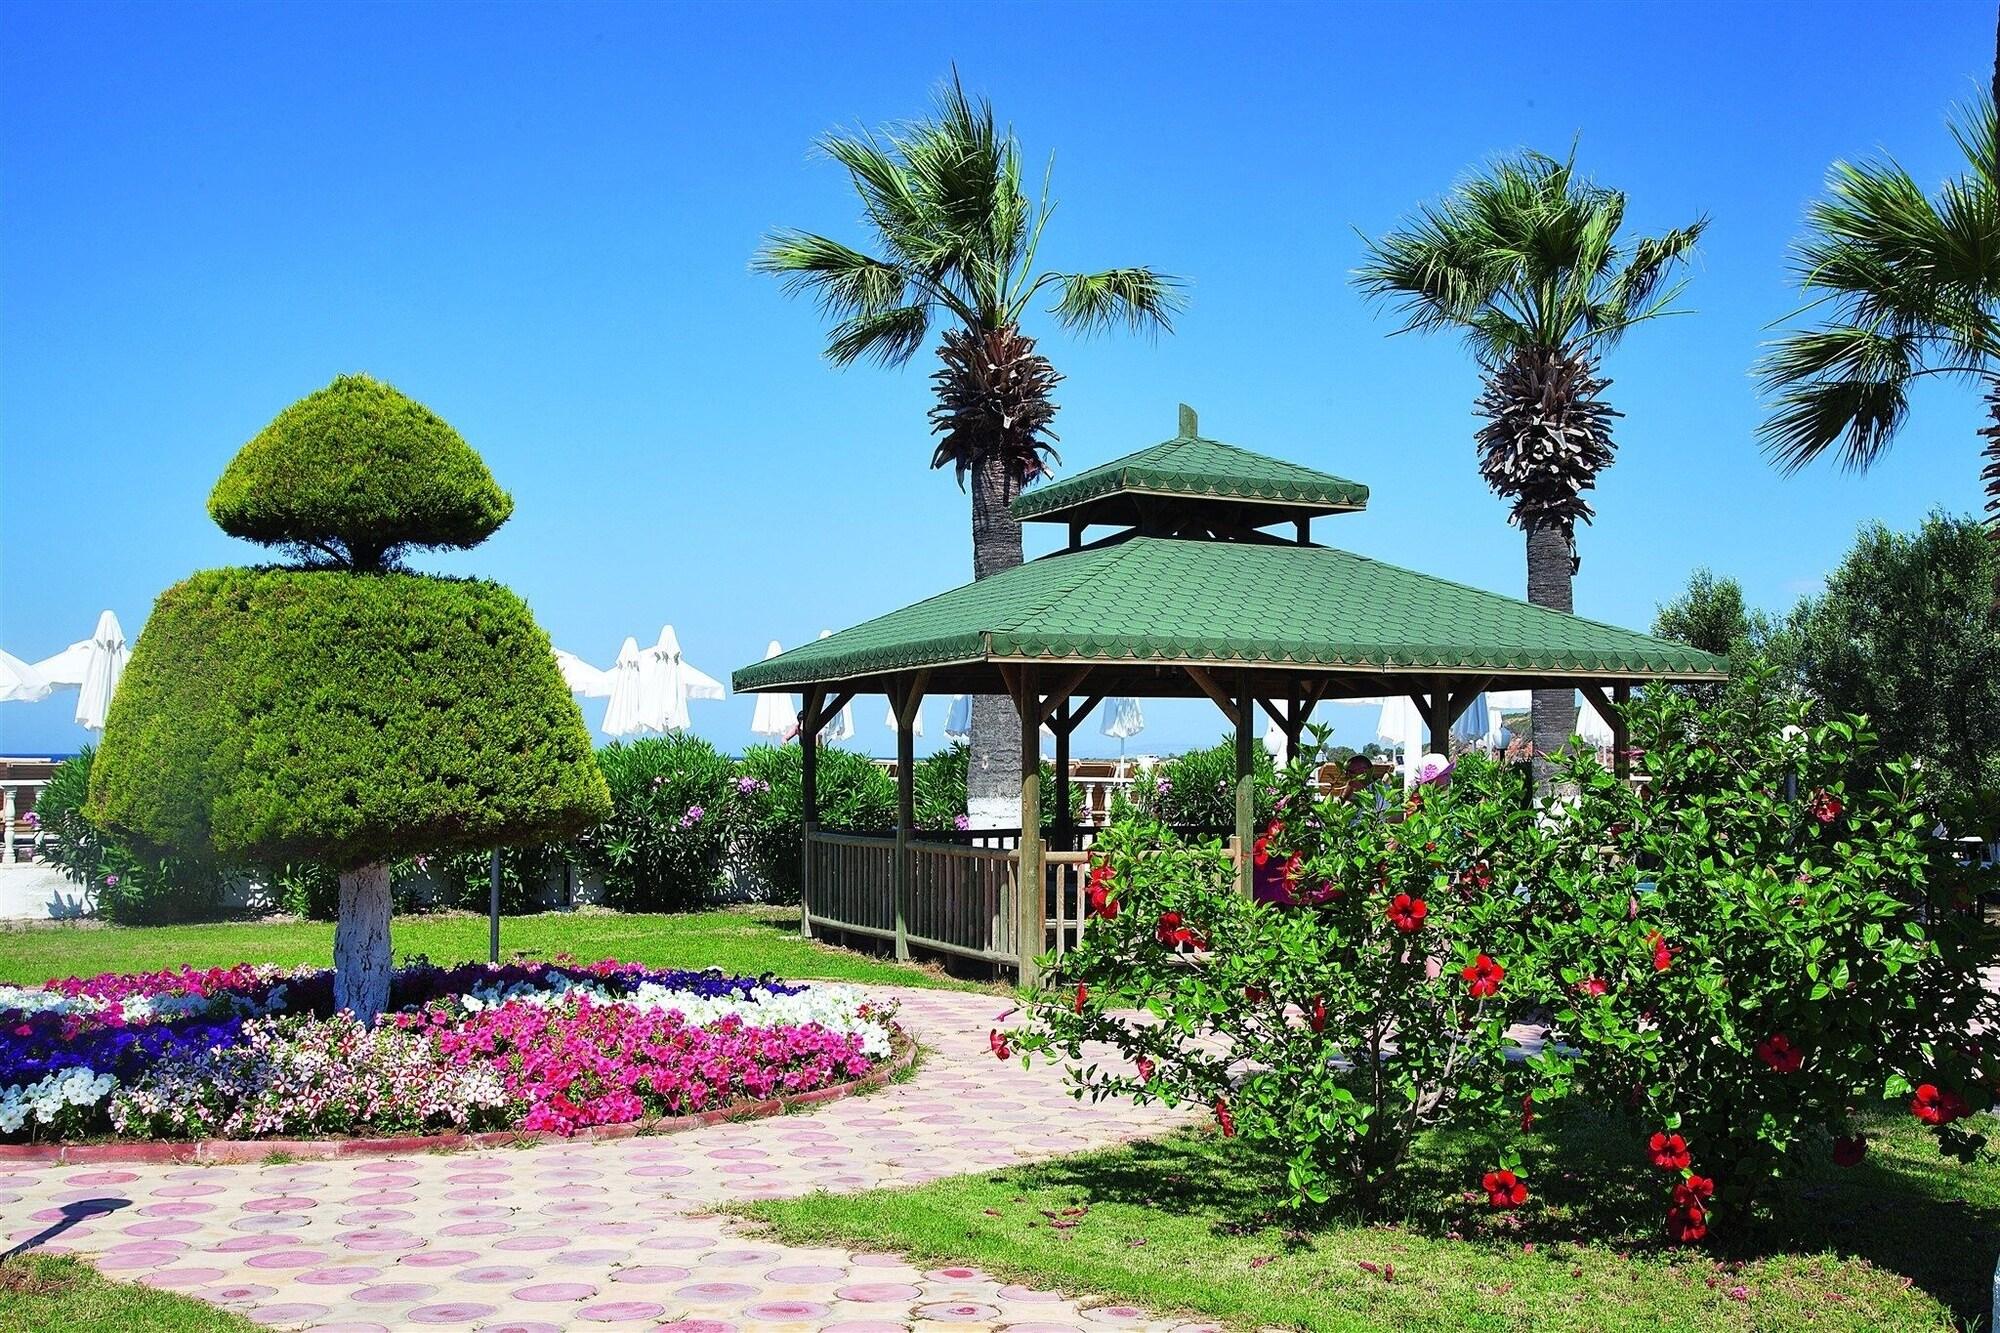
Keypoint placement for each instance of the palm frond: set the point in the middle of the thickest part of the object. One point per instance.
(887, 337)
(843, 281)
(1132, 298)
(1842, 387)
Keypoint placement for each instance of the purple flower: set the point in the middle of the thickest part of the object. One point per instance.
(31, 819)
(748, 786)
(692, 817)
(961, 822)
(111, 881)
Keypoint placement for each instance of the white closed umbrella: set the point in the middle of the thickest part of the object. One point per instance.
(1474, 723)
(583, 678)
(93, 666)
(958, 723)
(776, 714)
(916, 724)
(842, 726)
(19, 682)
(1121, 720)
(622, 714)
(667, 681)
(1592, 726)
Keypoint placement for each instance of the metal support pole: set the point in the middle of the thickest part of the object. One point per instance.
(808, 801)
(493, 911)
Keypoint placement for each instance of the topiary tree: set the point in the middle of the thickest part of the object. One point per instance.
(349, 712)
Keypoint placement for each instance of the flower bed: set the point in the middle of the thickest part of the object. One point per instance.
(256, 1052)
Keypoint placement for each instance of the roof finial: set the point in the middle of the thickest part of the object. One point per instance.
(1190, 427)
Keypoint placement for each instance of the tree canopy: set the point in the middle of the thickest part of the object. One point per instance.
(355, 473)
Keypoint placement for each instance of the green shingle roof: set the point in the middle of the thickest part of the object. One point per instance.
(1166, 600)
(1189, 466)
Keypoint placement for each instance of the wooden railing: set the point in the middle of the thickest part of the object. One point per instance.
(961, 898)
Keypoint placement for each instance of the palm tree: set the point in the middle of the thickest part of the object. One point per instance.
(1526, 262)
(1911, 288)
(955, 240)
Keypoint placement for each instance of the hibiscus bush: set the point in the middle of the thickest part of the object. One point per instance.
(1759, 940)
(1336, 1026)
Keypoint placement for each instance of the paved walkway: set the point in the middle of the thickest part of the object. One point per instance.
(598, 1236)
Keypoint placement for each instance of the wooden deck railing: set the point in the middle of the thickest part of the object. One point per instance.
(961, 898)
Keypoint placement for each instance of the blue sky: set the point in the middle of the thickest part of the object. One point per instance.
(537, 220)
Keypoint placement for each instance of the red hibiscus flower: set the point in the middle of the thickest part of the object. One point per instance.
(1175, 934)
(1687, 1216)
(1261, 849)
(1504, 1189)
(1256, 994)
(1082, 996)
(1849, 1151)
(1478, 875)
(1407, 914)
(1145, 1068)
(1483, 977)
(1594, 987)
(1825, 807)
(1669, 1151)
(1224, 1119)
(1935, 1107)
(998, 1042)
(1317, 1018)
(1292, 869)
(1778, 1052)
(1528, 1112)
(1663, 957)
(1097, 895)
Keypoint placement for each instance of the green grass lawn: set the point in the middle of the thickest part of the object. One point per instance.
(43, 1292)
(1189, 1224)
(746, 940)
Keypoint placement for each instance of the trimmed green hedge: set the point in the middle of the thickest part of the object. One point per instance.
(355, 472)
(276, 714)
(768, 809)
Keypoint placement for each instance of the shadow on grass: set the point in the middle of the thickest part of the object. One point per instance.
(1905, 1210)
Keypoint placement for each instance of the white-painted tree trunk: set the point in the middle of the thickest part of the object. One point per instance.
(361, 960)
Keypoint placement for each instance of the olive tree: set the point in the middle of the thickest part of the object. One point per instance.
(344, 709)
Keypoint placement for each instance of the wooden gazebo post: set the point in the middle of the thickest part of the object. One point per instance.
(906, 697)
(1029, 912)
(809, 722)
(1246, 786)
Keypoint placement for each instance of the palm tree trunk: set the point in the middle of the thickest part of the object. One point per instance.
(361, 960)
(1550, 565)
(993, 768)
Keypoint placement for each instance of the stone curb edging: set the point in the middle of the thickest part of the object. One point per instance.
(216, 1152)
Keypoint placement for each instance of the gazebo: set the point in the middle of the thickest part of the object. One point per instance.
(1210, 585)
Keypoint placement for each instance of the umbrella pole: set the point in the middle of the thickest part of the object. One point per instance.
(493, 912)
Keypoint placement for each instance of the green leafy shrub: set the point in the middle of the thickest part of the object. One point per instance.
(354, 473)
(128, 884)
(1336, 1027)
(767, 809)
(317, 715)
(1197, 790)
(939, 791)
(1760, 939)
(662, 848)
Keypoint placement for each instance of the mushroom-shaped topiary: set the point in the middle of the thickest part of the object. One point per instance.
(355, 473)
(349, 715)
